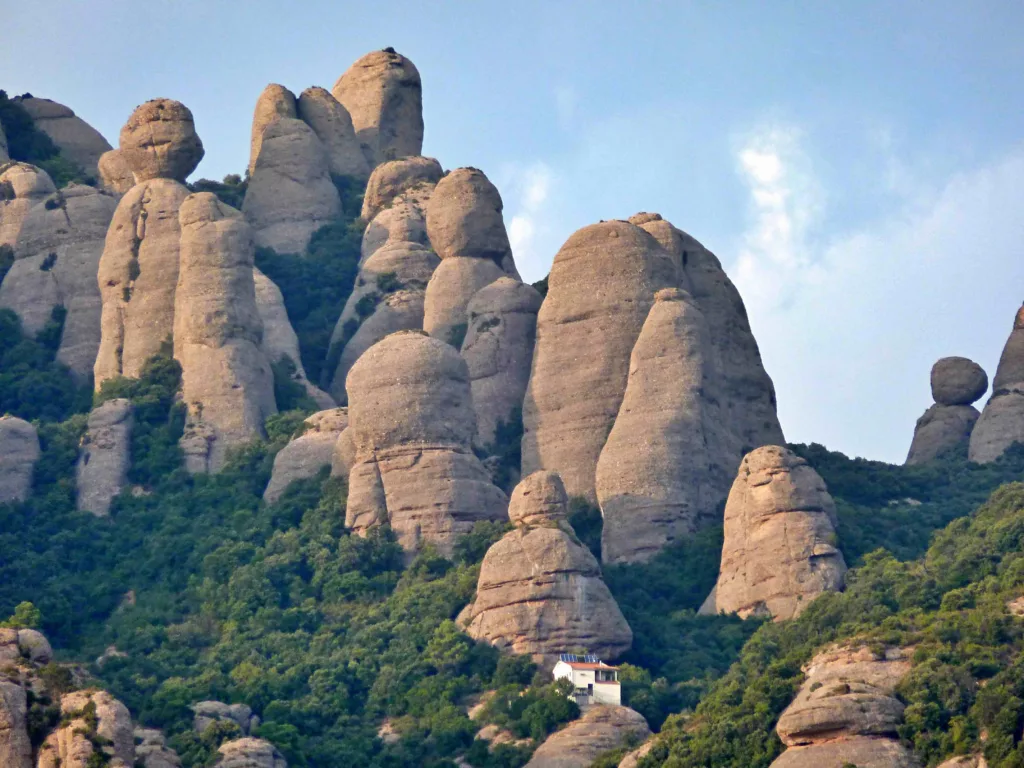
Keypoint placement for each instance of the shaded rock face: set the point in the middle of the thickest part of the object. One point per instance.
(152, 751)
(114, 172)
(78, 141)
(1002, 420)
(600, 289)
(290, 194)
(22, 186)
(411, 421)
(15, 746)
(403, 222)
(652, 476)
(958, 381)
(410, 178)
(387, 297)
(249, 753)
(70, 746)
(104, 456)
(942, 428)
(138, 274)
(19, 451)
(332, 124)
(540, 590)
(308, 453)
(4, 156)
(779, 551)
(160, 141)
(279, 338)
(227, 383)
(464, 219)
(344, 457)
(578, 745)
(846, 711)
(383, 94)
(452, 286)
(273, 103)
(498, 349)
(632, 760)
(57, 257)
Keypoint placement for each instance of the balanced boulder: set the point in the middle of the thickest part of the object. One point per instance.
(383, 94)
(332, 123)
(22, 186)
(498, 349)
(138, 274)
(599, 730)
(540, 590)
(290, 194)
(308, 453)
(600, 290)
(159, 141)
(114, 172)
(1002, 421)
(410, 178)
(947, 425)
(452, 286)
(105, 456)
(958, 381)
(19, 451)
(227, 382)
(274, 102)
(780, 541)
(78, 141)
(412, 423)
(652, 476)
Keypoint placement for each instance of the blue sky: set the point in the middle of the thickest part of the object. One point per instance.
(857, 166)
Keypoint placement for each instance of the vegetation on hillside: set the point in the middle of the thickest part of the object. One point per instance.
(27, 144)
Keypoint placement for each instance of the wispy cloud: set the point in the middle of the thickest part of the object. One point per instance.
(529, 189)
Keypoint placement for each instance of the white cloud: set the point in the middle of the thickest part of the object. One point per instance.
(528, 188)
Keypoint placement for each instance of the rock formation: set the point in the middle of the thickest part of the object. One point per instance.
(15, 746)
(600, 289)
(454, 283)
(249, 753)
(652, 476)
(19, 451)
(344, 457)
(227, 383)
(387, 297)
(540, 590)
(403, 222)
(412, 423)
(498, 349)
(599, 730)
(138, 273)
(1002, 421)
(945, 426)
(57, 255)
(308, 453)
(22, 186)
(279, 338)
(78, 141)
(105, 456)
(332, 124)
(151, 750)
(846, 712)
(114, 172)
(208, 713)
(274, 102)
(410, 178)
(71, 747)
(4, 156)
(159, 141)
(780, 542)
(383, 94)
(290, 194)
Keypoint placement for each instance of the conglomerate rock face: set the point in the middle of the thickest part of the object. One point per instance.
(1002, 420)
(115, 174)
(22, 186)
(408, 178)
(540, 590)
(249, 753)
(383, 93)
(332, 124)
(957, 381)
(227, 382)
(846, 711)
(947, 425)
(159, 141)
(411, 421)
(308, 453)
(452, 286)
(780, 542)
(71, 747)
(104, 456)
(19, 451)
(599, 730)
(78, 141)
(402, 222)
(15, 745)
(273, 103)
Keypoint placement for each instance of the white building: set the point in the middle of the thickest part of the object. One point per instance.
(594, 682)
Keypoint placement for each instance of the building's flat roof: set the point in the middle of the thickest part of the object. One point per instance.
(588, 665)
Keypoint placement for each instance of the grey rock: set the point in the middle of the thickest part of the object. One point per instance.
(152, 751)
(33, 645)
(207, 713)
(958, 381)
(402, 222)
(409, 178)
(308, 453)
(114, 172)
(15, 746)
(104, 456)
(19, 451)
(1002, 421)
(273, 103)
(249, 753)
(4, 156)
(599, 730)
(332, 123)
(21, 187)
(159, 141)
(942, 428)
(452, 286)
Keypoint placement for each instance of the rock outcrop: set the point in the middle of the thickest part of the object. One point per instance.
(78, 141)
(411, 421)
(151, 750)
(71, 746)
(208, 713)
(104, 456)
(15, 745)
(383, 94)
(652, 476)
(1002, 421)
(410, 178)
(290, 194)
(114, 172)
(600, 289)
(159, 141)
(332, 124)
(57, 257)
(19, 451)
(946, 426)
(249, 753)
(846, 711)
(498, 349)
(227, 382)
(4, 155)
(540, 590)
(403, 222)
(780, 542)
(581, 742)
(273, 103)
(308, 453)
(138, 274)
(452, 286)
(22, 186)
